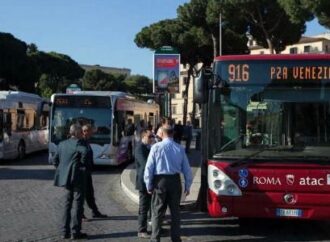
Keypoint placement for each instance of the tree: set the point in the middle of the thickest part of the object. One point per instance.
(98, 80)
(137, 84)
(267, 22)
(56, 71)
(16, 68)
(191, 43)
(306, 10)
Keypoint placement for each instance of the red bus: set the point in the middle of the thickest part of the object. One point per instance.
(266, 133)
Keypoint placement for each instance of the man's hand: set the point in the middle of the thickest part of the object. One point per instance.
(150, 192)
(187, 192)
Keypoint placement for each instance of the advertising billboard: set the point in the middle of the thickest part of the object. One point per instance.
(166, 72)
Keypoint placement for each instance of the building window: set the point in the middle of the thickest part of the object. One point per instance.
(307, 49)
(294, 50)
(326, 49)
(174, 111)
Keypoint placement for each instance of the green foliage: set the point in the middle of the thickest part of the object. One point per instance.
(268, 22)
(57, 71)
(15, 66)
(98, 80)
(138, 84)
(321, 9)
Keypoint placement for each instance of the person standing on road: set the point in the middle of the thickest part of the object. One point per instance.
(188, 135)
(141, 155)
(166, 161)
(89, 189)
(70, 162)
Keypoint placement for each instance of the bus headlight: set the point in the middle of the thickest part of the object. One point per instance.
(215, 173)
(220, 183)
(231, 189)
(217, 184)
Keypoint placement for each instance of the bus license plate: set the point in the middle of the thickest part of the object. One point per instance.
(288, 212)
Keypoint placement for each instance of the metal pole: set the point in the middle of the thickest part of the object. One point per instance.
(220, 34)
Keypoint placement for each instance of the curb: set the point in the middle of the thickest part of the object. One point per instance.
(124, 181)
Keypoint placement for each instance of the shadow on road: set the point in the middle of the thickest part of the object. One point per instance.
(201, 224)
(30, 174)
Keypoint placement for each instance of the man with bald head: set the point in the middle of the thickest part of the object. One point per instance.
(166, 161)
(70, 162)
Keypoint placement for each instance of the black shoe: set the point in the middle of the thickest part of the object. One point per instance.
(79, 236)
(65, 236)
(99, 215)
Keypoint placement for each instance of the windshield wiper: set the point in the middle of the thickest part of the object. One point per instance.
(322, 158)
(245, 159)
(232, 141)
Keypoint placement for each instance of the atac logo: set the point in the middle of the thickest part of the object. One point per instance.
(289, 179)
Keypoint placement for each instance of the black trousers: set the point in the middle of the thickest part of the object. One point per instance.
(90, 198)
(144, 208)
(74, 197)
(167, 192)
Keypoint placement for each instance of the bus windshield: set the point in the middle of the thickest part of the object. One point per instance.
(271, 122)
(65, 113)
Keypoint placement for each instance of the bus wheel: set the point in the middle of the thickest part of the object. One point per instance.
(21, 150)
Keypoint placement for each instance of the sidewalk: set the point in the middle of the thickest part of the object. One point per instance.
(127, 179)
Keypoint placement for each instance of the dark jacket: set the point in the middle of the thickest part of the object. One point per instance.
(90, 156)
(141, 156)
(70, 159)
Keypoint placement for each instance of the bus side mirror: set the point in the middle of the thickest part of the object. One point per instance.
(201, 86)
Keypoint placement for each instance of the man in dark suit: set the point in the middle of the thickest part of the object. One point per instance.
(141, 155)
(70, 162)
(89, 190)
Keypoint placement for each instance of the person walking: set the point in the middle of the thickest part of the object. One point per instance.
(141, 155)
(166, 161)
(89, 189)
(188, 135)
(70, 161)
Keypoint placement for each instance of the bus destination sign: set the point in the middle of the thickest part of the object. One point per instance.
(261, 72)
(82, 101)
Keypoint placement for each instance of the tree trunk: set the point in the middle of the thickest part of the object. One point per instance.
(270, 45)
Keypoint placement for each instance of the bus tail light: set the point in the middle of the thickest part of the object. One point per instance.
(221, 184)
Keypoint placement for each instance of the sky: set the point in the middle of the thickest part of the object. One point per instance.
(93, 31)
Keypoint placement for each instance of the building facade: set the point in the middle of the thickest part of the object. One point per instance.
(307, 44)
(177, 100)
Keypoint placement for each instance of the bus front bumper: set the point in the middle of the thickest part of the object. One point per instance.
(270, 205)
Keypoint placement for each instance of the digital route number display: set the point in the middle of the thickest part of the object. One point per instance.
(82, 101)
(274, 71)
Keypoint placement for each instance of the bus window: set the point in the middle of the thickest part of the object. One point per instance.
(7, 123)
(20, 120)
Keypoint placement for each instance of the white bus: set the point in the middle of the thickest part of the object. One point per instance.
(108, 113)
(23, 124)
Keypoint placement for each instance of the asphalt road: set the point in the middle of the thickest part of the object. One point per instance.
(30, 208)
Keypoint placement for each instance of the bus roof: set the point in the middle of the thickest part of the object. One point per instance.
(18, 95)
(100, 93)
(273, 57)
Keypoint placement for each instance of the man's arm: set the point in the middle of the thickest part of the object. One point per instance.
(140, 156)
(56, 158)
(186, 170)
(149, 171)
